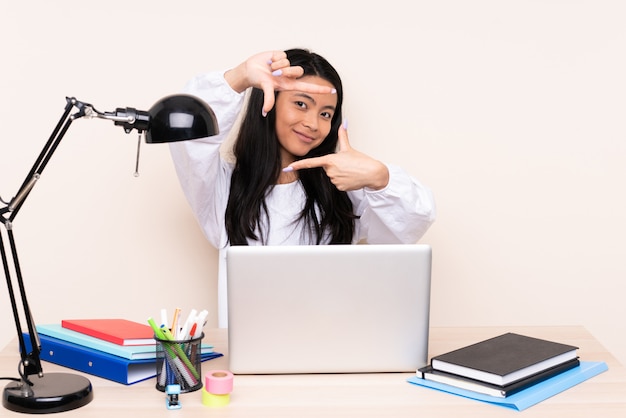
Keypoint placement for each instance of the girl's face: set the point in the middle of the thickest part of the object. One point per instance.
(303, 120)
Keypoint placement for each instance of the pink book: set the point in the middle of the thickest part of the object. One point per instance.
(117, 331)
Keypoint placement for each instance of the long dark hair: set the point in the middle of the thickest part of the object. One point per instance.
(327, 213)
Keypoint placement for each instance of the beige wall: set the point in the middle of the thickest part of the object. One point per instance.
(512, 111)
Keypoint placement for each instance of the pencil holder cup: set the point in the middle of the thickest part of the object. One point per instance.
(179, 362)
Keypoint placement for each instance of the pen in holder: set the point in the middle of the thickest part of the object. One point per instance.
(178, 362)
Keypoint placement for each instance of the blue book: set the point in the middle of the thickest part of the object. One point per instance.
(98, 363)
(530, 396)
(130, 352)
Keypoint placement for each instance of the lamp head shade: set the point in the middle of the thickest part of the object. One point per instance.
(180, 117)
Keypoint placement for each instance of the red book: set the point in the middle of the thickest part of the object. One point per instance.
(117, 331)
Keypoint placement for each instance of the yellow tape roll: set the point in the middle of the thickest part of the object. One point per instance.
(212, 400)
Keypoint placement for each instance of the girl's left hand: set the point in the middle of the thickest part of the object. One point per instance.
(348, 169)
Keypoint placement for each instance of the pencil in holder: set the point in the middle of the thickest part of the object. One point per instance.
(179, 362)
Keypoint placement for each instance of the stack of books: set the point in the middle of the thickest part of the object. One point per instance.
(115, 349)
(510, 370)
(503, 365)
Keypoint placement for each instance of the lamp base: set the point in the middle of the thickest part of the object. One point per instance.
(54, 392)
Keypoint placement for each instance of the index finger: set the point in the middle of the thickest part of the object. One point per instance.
(299, 85)
(286, 79)
(285, 82)
(312, 162)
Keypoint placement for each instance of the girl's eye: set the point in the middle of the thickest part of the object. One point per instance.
(301, 104)
(327, 115)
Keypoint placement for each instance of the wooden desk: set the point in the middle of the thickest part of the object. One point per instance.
(356, 395)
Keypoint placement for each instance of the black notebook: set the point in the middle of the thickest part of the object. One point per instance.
(504, 359)
(461, 382)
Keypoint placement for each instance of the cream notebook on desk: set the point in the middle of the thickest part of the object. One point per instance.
(328, 309)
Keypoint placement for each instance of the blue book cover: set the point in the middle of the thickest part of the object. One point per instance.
(134, 352)
(98, 363)
(527, 397)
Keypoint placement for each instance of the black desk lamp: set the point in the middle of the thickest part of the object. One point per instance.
(173, 118)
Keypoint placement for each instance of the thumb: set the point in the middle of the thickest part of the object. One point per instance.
(342, 137)
(268, 99)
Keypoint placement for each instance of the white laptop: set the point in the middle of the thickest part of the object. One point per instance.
(328, 308)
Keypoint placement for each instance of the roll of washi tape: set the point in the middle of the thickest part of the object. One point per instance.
(213, 400)
(219, 382)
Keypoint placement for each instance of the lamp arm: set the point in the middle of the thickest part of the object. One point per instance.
(173, 118)
(129, 119)
(30, 361)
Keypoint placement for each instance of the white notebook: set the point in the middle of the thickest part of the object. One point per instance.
(328, 309)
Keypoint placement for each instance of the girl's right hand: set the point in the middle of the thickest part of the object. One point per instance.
(270, 71)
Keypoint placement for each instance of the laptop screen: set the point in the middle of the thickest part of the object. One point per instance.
(328, 309)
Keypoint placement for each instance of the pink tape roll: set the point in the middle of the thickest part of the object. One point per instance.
(219, 382)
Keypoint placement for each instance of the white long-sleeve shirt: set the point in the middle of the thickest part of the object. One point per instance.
(399, 213)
